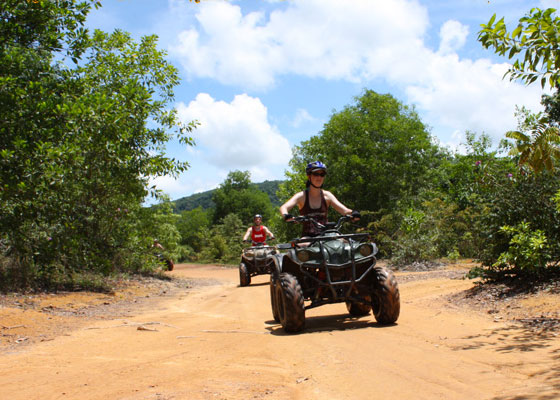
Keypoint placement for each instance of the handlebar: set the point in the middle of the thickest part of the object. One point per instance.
(258, 244)
(328, 226)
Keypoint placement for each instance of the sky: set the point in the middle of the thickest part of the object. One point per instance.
(261, 76)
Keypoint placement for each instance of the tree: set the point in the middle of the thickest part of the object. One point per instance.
(377, 151)
(239, 196)
(76, 146)
(539, 149)
(536, 38)
(537, 145)
(191, 225)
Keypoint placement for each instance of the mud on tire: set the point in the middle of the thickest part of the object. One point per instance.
(244, 277)
(289, 303)
(386, 303)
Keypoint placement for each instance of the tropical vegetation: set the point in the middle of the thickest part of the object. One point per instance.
(86, 117)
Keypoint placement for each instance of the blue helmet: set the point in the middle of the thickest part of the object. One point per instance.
(315, 166)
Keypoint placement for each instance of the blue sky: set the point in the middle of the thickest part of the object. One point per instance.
(262, 76)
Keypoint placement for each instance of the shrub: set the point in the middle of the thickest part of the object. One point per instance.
(527, 253)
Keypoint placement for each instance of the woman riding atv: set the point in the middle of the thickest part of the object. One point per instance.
(314, 202)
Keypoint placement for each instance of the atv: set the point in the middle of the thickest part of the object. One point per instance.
(169, 265)
(259, 259)
(331, 268)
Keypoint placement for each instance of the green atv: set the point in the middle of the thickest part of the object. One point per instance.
(259, 259)
(331, 268)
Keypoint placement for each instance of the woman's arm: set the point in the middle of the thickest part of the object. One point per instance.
(337, 205)
(295, 200)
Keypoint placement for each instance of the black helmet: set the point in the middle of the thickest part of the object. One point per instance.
(315, 166)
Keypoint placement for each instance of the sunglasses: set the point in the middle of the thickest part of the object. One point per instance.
(321, 174)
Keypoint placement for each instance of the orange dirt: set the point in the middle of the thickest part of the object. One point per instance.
(201, 336)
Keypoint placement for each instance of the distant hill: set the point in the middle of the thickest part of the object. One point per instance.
(204, 199)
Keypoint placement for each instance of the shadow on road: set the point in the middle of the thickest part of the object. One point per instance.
(254, 285)
(520, 339)
(329, 323)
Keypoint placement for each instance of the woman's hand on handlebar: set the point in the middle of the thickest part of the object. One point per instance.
(288, 217)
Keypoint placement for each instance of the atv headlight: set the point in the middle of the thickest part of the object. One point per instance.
(303, 255)
(365, 249)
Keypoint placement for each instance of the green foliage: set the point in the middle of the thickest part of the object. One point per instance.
(527, 253)
(162, 224)
(45, 26)
(223, 243)
(534, 45)
(539, 148)
(556, 200)
(271, 189)
(551, 105)
(237, 195)
(414, 243)
(434, 229)
(191, 225)
(76, 147)
(201, 200)
(521, 198)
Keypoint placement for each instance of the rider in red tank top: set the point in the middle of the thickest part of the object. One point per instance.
(258, 232)
(258, 235)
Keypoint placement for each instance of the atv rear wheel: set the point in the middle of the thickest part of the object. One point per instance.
(386, 303)
(358, 309)
(244, 277)
(273, 302)
(289, 303)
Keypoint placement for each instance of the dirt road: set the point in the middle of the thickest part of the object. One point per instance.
(219, 341)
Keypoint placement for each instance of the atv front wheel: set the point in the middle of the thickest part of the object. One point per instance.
(386, 303)
(289, 303)
(244, 277)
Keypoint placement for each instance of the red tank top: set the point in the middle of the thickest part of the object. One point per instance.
(258, 235)
(318, 214)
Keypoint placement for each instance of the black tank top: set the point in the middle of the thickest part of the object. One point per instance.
(318, 214)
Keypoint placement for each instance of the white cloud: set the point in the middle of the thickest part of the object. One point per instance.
(467, 95)
(549, 4)
(356, 41)
(453, 36)
(168, 184)
(236, 135)
(302, 116)
(330, 39)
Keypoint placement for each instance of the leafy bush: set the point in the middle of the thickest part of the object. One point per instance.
(528, 252)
